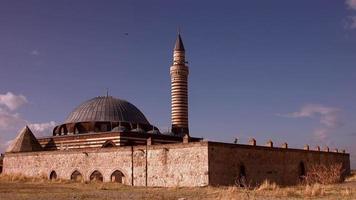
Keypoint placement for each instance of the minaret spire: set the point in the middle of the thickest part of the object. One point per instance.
(179, 89)
(179, 44)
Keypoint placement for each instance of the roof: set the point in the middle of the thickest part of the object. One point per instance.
(24, 142)
(106, 108)
(179, 44)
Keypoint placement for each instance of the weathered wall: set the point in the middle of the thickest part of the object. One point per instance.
(64, 163)
(276, 164)
(179, 164)
(166, 165)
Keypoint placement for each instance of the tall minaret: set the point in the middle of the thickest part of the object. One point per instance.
(179, 89)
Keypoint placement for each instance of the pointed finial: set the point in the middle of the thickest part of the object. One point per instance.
(178, 30)
(179, 43)
(107, 92)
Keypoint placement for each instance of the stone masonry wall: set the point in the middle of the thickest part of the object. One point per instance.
(166, 165)
(180, 164)
(275, 164)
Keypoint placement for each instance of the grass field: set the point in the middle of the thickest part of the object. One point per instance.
(22, 188)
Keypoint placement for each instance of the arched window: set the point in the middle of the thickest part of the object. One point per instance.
(242, 170)
(53, 175)
(117, 177)
(96, 176)
(302, 172)
(108, 144)
(76, 176)
(242, 181)
(63, 130)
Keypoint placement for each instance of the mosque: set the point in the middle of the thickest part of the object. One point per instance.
(109, 139)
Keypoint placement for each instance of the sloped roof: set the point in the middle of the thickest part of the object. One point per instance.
(24, 142)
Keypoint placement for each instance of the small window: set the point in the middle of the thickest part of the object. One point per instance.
(53, 175)
(96, 176)
(117, 177)
(242, 181)
(108, 144)
(302, 172)
(76, 176)
(63, 130)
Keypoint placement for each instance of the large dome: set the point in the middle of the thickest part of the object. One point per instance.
(106, 108)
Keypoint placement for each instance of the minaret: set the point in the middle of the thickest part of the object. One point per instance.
(179, 89)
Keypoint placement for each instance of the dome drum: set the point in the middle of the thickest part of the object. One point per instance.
(90, 127)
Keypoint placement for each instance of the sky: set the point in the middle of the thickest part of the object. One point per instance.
(279, 70)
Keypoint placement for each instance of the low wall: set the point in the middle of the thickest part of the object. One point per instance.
(279, 165)
(180, 164)
(166, 165)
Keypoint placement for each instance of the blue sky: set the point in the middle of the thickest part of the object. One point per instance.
(280, 70)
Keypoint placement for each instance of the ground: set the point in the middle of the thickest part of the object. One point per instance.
(19, 188)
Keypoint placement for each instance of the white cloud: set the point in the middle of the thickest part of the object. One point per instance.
(10, 121)
(321, 134)
(42, 129)
(350, 21)
(35, 52)
(351, 4)
(329, 118)
(12, 101)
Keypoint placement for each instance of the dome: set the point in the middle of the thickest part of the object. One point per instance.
(108, 109)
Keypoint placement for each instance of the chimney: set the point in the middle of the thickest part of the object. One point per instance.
(285, 145)
(252, 142)
(269, 143)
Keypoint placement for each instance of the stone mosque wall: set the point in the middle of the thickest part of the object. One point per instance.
(180, 164)
(280, 165)
(166, 165)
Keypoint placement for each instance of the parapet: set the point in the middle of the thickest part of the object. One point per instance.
(269, 143)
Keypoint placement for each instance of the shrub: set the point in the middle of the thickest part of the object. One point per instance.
(324, 174)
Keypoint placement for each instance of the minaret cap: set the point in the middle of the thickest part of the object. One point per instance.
(179, 44)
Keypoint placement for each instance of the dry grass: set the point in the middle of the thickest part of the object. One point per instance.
(270, 190)
(324, 174)
(352, 177)
(267, 185)
(314, 190)
(21, 187)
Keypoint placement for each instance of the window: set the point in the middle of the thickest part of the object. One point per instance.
(53, 175)
(96, 176)
(76, 176)
(241, 180)
(108, 144)
(117, 177)
(302, 172)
